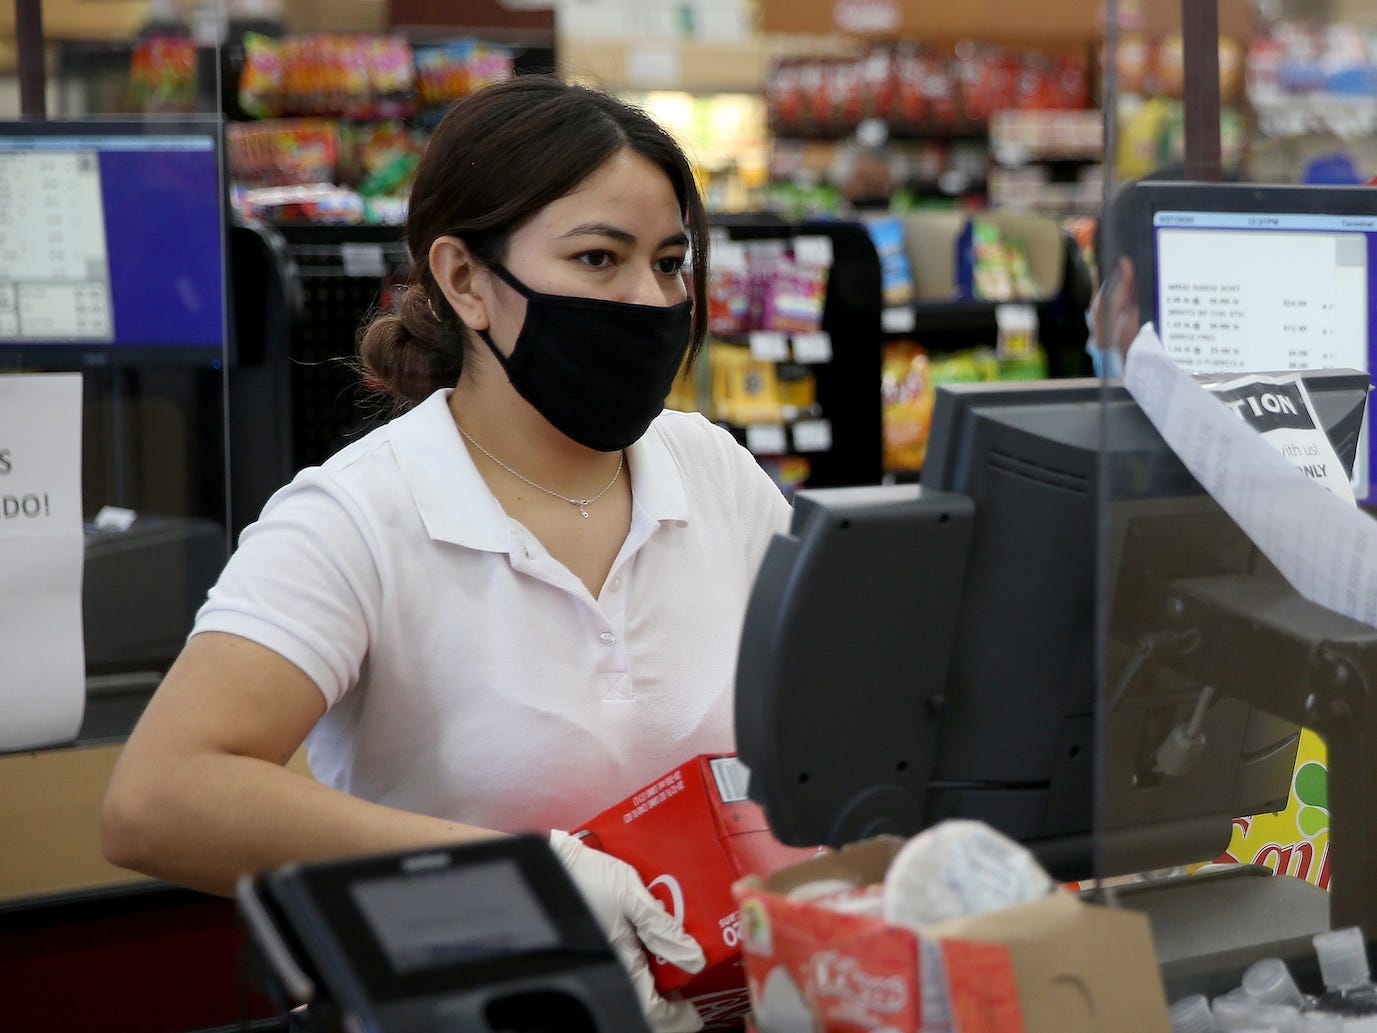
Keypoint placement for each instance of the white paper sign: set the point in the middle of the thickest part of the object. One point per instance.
(43, 673)
(1280, 409)
(1321, 543)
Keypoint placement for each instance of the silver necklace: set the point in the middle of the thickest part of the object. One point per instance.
(581, 504)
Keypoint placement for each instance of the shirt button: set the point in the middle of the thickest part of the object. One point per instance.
(608, 639)
(616, 585)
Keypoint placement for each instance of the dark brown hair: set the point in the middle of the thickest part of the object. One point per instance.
(497, 158)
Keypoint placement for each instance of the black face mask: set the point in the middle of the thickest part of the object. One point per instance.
(598, 370)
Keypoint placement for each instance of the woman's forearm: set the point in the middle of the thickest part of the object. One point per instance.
(203, 820)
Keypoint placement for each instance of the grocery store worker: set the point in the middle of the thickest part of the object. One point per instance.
(519, 600)
(864, 170)
(1113, 317)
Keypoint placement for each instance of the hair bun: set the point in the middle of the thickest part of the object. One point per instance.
(410, 353)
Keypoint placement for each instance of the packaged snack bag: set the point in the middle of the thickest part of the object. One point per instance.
(906, 395)
(162, 73)
(896, 275)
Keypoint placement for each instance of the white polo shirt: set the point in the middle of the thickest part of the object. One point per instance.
(470, 675)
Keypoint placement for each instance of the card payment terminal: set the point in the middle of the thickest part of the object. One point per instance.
(475, 938)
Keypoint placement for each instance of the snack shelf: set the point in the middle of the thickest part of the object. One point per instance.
(360, 256)
(804, 432)
(1348, 118)
(941, 317)
(1047, 161)
(839, 434)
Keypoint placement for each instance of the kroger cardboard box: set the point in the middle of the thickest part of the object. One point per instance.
(690, 835)
(1056, 965)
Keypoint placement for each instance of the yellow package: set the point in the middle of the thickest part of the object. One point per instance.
(798, 387)
(687, 391)
(906, 395)
(968, 366)
(744, 389)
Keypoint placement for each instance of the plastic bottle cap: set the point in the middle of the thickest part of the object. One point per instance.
(1269, 980)
(1191, 1015)
(1343, 958)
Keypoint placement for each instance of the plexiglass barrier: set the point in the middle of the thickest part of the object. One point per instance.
(1235, 617)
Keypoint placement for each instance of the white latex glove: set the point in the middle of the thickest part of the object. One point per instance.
(631, 916)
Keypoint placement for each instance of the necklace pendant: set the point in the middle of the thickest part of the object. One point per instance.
(583, 512)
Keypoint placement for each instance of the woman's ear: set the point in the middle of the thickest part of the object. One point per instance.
(462, 280)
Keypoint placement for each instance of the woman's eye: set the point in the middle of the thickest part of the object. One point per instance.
(596, 259)
(670, 266)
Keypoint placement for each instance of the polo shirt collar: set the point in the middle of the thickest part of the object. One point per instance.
(451, 496)
(455, 503)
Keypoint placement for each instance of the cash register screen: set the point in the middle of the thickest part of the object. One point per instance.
(454, 916)
(112, 246)
(1253, 278)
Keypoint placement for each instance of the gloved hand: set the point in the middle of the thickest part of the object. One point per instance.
(631, 916)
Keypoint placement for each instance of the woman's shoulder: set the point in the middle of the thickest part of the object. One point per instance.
(701, 448)
(691, 430)
(375, 459)
(366, 476)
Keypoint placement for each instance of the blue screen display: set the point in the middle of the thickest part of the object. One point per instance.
(112, 239)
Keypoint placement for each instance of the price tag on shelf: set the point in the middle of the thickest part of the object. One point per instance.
(813, 347)
(363, 260)
(729, 256)
(770, 345)
(766, 439)
(812, 435)
(813, 251)
(897, 319)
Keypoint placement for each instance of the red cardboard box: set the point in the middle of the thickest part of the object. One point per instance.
(690, 835)
(1054, 965)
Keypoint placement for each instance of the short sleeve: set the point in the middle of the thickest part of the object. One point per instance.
(763, 509)
(303, 582)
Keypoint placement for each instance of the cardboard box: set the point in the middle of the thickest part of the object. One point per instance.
(1056, 965)
(931, 238)
(691, 835)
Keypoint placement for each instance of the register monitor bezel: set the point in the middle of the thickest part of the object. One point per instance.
(81, 355)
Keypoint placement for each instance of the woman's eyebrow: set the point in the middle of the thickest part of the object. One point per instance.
(603, 229)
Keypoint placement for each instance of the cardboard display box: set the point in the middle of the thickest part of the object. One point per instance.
(1055, 965)
(931, 238)
(691, 835)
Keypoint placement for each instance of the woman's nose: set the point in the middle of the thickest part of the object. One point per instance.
(648, 287)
